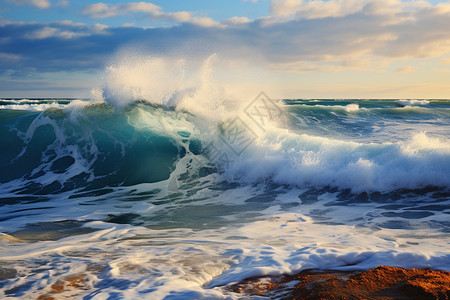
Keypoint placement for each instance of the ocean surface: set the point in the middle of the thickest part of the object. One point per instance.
(142, 200)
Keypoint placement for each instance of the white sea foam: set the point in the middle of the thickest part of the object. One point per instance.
(158, 80)
(33, 107)
(413, 102)
(349, 108)
(138, 262)
(181, 263)
(352, 107)
(304, 160)
(76, 104)
(42, 105)
(19, 101)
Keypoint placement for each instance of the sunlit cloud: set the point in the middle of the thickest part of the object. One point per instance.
(49, 32)
(315, 9)
(236, 21)
(37, 3)
(340, 8)
(102, 10)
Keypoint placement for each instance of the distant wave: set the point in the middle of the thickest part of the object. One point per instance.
(32, 107)
(19, 101)
(413, 102)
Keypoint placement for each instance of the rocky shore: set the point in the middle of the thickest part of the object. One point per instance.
(379, 283)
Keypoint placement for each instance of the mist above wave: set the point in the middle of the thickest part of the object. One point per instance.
(165, 81)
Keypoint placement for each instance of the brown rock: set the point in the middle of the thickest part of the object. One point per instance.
(69, 283)
(381, 283)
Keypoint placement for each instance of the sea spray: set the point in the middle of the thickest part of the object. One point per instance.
(164, 81)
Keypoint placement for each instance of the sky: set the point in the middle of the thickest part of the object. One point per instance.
(286, 48)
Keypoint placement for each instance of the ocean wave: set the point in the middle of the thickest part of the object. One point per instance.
(310, 161)
(413, 102)
(32, 107)
(349, 108)
(91, 146)
(95, 146)
(19, 101)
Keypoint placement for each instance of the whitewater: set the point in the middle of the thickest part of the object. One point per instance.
(167, 185)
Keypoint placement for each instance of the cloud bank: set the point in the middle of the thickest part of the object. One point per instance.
(297, 37)
(339, 33)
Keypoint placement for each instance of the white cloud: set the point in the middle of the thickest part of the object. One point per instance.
(316, 9)
(236, 21)
(99, 28)
(70, 23)
(37, 3)
(102, 10)
(205, 22)
(50, 32)
(130, 24)
(65, 30)
(443, 8)
(354, 34)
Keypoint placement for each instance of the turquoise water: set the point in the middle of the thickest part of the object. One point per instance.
(159, 202)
